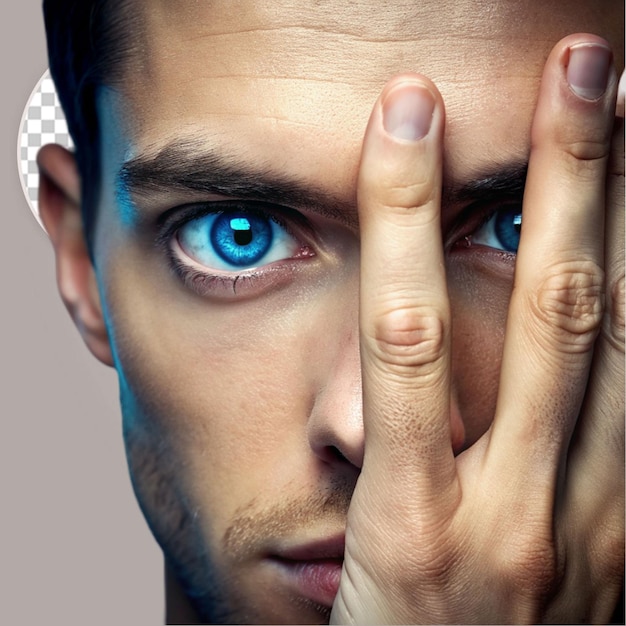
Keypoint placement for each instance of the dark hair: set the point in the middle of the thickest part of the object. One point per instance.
(89, 43)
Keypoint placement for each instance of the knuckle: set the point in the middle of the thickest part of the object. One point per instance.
(416, 202)
(615, 318)
(402, 187)
(570, 301)
(407, 339)
(409, 196)
(581, 162)
(587, 150)
(528, 564)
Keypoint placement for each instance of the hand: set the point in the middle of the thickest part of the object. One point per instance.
(527, 525)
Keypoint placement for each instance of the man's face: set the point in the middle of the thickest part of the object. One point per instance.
(227, 254)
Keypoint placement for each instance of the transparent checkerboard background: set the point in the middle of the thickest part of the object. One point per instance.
(43, 122)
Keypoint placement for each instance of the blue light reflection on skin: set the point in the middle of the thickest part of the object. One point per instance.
(126, 207)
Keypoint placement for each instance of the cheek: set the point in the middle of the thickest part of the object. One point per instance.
(218, 400)
(221, 393)
(479, 296)
(210, 401)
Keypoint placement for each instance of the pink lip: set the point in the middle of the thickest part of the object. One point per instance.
(313, 570)
(329, 548)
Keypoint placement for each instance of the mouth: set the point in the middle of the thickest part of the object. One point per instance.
(312, 570)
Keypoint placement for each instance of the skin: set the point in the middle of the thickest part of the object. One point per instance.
(251, 413)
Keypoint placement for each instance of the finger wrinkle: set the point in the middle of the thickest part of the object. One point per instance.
(615, 323)
(571, 303)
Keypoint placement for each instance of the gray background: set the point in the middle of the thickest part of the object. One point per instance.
(74, 547)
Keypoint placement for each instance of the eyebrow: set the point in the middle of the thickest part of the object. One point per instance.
(189, 167)
(497, 181)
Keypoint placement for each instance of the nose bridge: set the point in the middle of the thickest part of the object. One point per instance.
(335, 425)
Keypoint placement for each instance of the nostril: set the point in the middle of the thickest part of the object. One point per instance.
(337, 455)
(336, 442)
(334, 427)
(331, 454)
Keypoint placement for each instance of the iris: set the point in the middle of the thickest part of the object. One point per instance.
(241, 239)
(507, 228)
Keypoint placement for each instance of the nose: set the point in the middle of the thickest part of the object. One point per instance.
(335, 425)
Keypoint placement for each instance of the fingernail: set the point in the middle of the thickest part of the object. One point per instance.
(588, 70)
(408, 112)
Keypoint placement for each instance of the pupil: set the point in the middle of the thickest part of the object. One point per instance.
(243, 237)
(242, 231)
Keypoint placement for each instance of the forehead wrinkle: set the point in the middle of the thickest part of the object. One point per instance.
(285, 38)
(368, 43)
(289, 71)
(371, 20)
(289, 41)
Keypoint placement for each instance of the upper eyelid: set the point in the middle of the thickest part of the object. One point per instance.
(478, 213)
(489, 206)
(192, 165)
(481, 210)
(175, 218)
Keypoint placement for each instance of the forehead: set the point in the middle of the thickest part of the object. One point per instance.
(290, 81)
(337, 40)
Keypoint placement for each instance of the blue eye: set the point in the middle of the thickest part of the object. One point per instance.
(235, 240)
(502, 230)
(241, 240)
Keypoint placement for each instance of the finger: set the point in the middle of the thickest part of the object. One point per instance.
(598, 447)
(620, 106)
(592, 505)
(594, 494)
(557, 302)
(405, 318)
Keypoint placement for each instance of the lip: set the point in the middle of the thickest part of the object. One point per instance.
(312, 570)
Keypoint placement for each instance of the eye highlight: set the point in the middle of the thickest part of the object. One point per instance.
(235, 240)
(231, 249)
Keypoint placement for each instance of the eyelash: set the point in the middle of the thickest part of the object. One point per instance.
(475, 217)
(202, 282)
(232, 283)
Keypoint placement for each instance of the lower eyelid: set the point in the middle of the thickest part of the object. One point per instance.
(245, 285)
(236, 284)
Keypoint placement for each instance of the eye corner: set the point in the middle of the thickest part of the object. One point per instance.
(213, 246)
(496, 226)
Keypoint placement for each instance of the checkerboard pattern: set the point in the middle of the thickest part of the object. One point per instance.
(43, 122)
